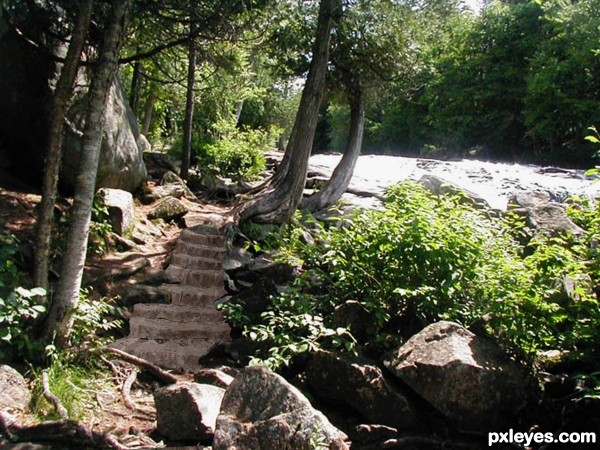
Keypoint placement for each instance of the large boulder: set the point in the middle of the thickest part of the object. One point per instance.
(465, 377)
(262, 411)
(187, 411)
(550, 219)
(361, 385)
(439, 186)
(27, 80)
(14, 392)
(529, 199)
(121, 164)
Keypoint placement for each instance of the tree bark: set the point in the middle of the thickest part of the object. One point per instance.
(189, 107)
(134, 95)
(280, 198)
(148, 112)
(60, 105)
(340, 179)
(60, 316)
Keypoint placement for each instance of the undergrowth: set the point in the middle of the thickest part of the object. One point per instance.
(424, 258)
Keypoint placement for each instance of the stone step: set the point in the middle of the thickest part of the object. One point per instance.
(158, 329)
(192, 296)
(180, 354)
(195, 262)
(178, 313)
(206, 239)
(206, 279)
(203, 251)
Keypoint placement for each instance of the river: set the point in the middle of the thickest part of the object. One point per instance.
(495, 182)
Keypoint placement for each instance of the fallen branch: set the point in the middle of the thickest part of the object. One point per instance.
(60, 432)
(162, 375)
(48, 395)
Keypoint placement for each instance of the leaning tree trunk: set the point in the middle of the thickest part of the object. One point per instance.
(189, 107)
(60, 316)
(278, 201)
(340, 179)
(60, 105)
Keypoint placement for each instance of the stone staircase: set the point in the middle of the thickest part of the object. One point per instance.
(176, 335)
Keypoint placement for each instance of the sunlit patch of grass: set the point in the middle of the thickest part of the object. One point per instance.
(76, 385)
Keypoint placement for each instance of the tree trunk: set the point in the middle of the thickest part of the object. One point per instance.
(60, 316)
(148, 112)
(340, 179)
(134, 95)
(189, 107)
(278, 201)
(60, 105)
(239, 106)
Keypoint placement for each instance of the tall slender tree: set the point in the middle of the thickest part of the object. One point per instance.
(60, 105)
(189, 104)
(60, 316)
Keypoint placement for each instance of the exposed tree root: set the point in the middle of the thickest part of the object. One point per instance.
(126, 389)
(48, 395)
(57, 432)
(159, 373)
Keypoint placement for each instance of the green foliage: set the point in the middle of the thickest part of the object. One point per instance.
(518, 81)
(100, 226)
(18, 311)
(94, 319)
(237, 154)
(425, 258)
(19, 307)
(233, 153)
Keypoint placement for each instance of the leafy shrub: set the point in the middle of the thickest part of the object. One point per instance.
(18, 306)
(425, 258)
(234, 153)
(94, 318)
(100, 227)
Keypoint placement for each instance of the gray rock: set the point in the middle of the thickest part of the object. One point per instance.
(172, 179)
(121, 163)
(354, 316)
(439, 186)
(160, 163)
(573, 289)
(168, 209)
(551, 219)
(120, 209)
(14, 392)
(262, 411)
(143, 143)
(529, 199)
(187, 411)
(467, 378)
(214, 377)
(361, 385)
(236, 258)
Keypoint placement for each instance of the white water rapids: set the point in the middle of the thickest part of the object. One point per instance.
(495, 182)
